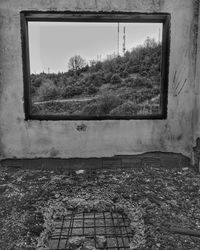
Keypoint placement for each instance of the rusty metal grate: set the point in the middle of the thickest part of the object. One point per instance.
(112, 225)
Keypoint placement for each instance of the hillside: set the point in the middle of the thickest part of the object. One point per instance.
(123, 85)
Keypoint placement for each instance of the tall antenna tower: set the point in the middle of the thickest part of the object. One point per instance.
(124, 40)
(118, 39)
(98, 58)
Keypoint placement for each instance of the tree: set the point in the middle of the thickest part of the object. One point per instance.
(115, 79)
(150, 43)
(76, 62)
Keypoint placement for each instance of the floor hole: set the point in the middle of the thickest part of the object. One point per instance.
(111, 225)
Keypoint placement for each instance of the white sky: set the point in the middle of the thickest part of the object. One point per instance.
(51, 44)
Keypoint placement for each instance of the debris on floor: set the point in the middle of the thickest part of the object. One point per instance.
(83, 243)
(165, 203)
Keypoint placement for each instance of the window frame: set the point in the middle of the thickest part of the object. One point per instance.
(60, 16)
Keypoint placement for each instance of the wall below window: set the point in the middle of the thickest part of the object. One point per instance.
(65, 139)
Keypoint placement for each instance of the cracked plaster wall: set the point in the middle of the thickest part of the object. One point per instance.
(196, 110)
(30, 139)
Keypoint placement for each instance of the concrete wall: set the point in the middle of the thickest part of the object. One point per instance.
(196, 110)
(30, 139)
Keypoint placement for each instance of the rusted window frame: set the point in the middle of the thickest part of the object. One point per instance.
(58, 16)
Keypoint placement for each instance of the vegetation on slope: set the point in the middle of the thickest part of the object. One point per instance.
(123, 85)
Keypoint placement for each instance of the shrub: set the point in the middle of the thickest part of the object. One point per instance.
(108, 77)
(143, 82)
(115, 79)
(36, 109)
(67, 92)
(144, 73)
(103, 106)
(124, 74)
(68, 81)
(156, 80)
(70, 72)
(71, 91)
(96, 78)
(78, 90)
(37, 83)
(139, 81)
(47, 91)
(84, 83)
(127, 108)
(148, 84)
(90, 109)
(33, 90)
(98, 66)
(85, 69)
(108, 66)
(130, 82)
(107, 103)
(92, 89)
(134, 68)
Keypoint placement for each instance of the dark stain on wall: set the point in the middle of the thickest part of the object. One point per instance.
(54, 152)
(81, 127)
(179, 137)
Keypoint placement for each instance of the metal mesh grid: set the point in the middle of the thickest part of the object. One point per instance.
(112, 225)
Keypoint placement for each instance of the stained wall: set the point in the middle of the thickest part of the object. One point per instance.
(31, 139)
